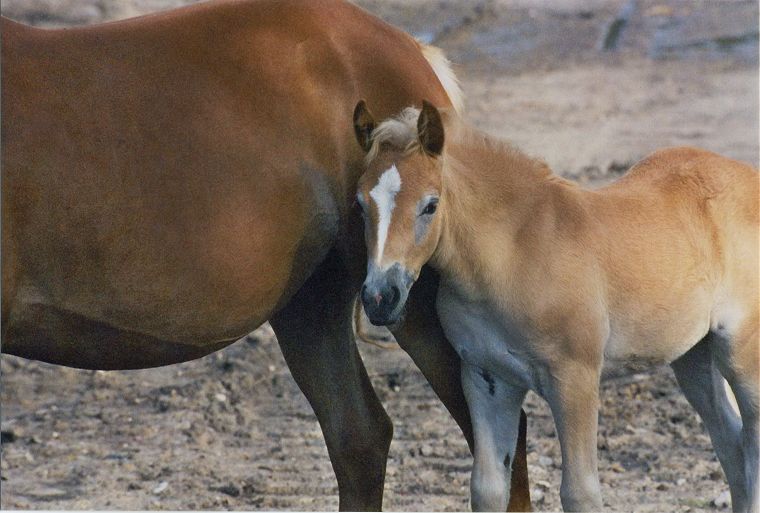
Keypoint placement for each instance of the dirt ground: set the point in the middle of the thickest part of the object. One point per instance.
(591, 86)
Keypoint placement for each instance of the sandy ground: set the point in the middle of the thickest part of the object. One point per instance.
(232, 430)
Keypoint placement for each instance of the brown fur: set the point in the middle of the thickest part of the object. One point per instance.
(172, 181)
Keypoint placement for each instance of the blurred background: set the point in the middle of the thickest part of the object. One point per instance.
(591, 86)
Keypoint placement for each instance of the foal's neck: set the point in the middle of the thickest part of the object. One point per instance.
(494, 193)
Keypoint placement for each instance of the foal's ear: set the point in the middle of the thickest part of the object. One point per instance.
(364, 124)
(430, 129)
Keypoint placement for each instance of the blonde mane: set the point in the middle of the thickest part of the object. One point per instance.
(399, 131)
(442, 69)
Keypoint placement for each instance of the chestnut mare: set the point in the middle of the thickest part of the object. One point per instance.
(171, 182)
(544, 285)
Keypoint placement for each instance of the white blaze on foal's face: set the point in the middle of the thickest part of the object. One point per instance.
(402, 230)
(399, 197)
(384, 196)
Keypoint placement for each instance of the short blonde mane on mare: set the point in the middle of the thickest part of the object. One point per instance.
(442, 69)
(401, 131)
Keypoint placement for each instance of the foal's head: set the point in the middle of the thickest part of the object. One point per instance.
(400, 199)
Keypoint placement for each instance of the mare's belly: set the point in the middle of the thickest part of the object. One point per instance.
(49, 334)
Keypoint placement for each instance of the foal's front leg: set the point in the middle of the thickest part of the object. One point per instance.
(572, 391)
(495, 411)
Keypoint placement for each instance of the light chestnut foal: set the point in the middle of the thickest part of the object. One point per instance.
(545, 285)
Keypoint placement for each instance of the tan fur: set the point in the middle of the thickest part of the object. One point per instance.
(639, 270)
(684, 202)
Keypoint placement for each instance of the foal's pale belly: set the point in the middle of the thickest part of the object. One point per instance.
(657, 334)
(488, 339)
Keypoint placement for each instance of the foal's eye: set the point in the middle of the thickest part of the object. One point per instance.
(431, 207)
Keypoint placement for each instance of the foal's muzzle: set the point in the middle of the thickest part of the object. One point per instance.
(384, 293)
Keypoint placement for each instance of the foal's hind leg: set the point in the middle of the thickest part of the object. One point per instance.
(737, 356)
(315, 333)
(702, 384)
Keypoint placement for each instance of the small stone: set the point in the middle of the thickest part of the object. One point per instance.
(163, 485)
(221, 398)
(681, 482)
(8, 437)
(722, 500)
(537, 495)
(659, 10)
(544, 484)
(617, 467)
(230, 489)
(545, 461)
(426, 450)
(47, 493)
(662, 487)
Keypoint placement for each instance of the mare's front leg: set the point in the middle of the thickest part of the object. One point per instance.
(571, 388)
(495, 409)
(316, 336)
(422, 337)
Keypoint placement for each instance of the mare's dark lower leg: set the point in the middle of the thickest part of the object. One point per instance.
(315, 333)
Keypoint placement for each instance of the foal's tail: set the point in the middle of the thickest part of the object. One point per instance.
(442, 68)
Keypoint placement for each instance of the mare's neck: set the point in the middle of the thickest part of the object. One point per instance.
(494, 196)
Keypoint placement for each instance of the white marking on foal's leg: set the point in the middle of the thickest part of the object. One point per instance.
(384, 194)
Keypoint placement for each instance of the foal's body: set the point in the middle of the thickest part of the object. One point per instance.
(172, 181)
(568, 282)
(545, 284)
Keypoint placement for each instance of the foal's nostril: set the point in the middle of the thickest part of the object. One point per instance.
(395, 296)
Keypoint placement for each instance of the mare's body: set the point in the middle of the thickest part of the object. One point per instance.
(171, 182)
